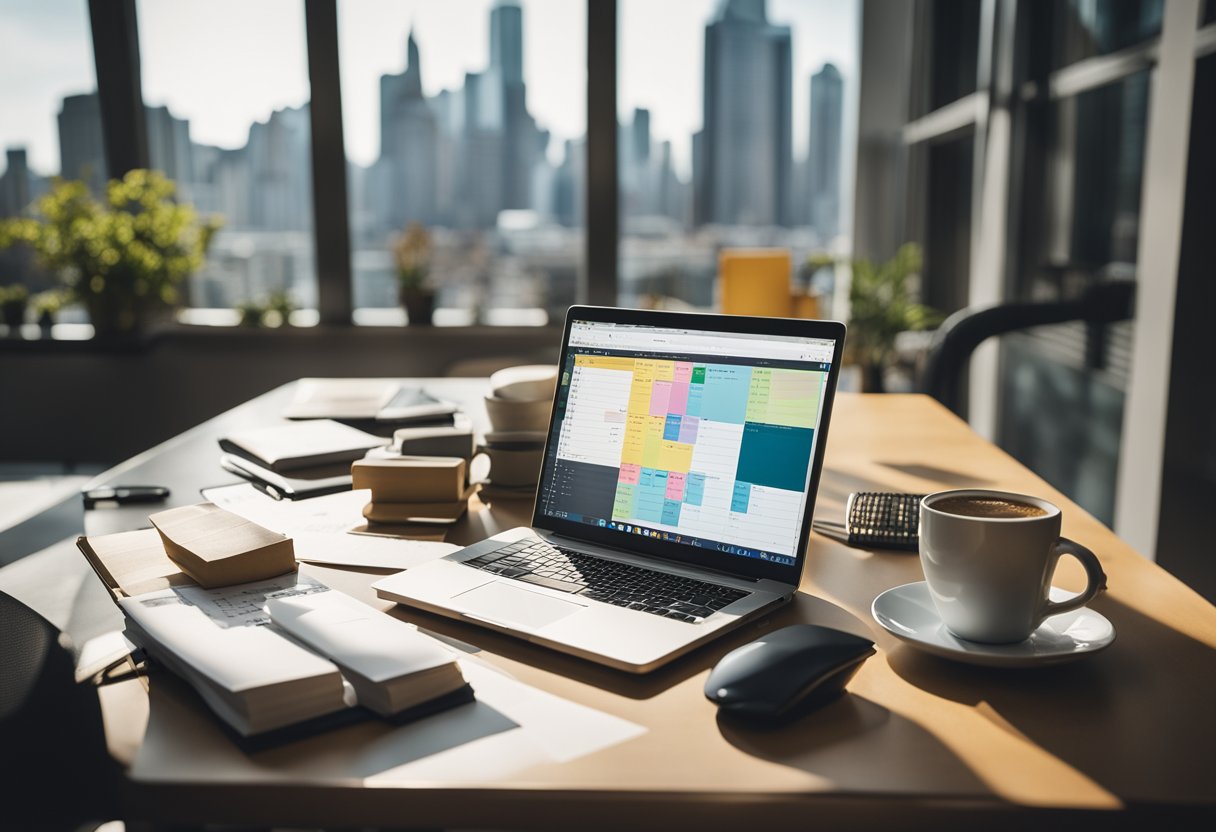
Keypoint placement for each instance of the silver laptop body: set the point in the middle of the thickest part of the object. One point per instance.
(687, 445)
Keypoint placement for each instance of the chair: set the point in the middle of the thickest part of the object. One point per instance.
(1101, 303)
(54, 765)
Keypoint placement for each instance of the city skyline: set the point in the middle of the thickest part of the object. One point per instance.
(463, 159)
(251, 70)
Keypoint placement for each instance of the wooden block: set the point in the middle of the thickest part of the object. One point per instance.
(217, 548)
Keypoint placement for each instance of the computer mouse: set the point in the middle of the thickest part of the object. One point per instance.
(787, 672)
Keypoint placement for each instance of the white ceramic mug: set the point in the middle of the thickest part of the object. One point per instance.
(513, 466)
(990, 576)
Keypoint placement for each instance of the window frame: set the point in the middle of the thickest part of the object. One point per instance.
(115, 32)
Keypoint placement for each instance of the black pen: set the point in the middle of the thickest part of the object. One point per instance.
(124, 494)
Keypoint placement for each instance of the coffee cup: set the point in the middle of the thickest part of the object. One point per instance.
(989, 557)
(517, 415)
(514, 456)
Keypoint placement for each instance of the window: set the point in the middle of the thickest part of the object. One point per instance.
(1088, 28)
(735, 131)
(467, 118)
(225, 87)
(952, 51)
(51, 124)
(1083, 219)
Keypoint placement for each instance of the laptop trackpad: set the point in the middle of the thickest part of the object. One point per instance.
(512, 605)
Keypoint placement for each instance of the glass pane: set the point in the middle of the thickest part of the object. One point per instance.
(465, 121)
(225, 87)
(736, 132)
(51, 123)
(1081, 220)
(947, 221)
(954, 48)
(1085, 217)
(1086, 28)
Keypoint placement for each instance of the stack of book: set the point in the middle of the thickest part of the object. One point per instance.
(414, 489)
(274, 659)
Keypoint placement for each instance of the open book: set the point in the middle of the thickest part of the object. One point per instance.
(256, 677)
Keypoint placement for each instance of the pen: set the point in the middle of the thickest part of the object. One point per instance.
(124, 494)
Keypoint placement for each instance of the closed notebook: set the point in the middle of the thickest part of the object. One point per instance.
(391, 665)
(299, 445)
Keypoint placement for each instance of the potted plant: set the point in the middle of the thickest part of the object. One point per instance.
(412, 255)
(279, 307)
(14, 298)
(124, 256)
(882, 305)
(46, 306)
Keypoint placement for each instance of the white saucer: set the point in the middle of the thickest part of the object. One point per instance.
(907, 612)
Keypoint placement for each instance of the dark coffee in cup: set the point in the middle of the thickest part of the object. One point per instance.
(989, 507)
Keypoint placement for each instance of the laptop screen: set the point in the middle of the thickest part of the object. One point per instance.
(703, 439)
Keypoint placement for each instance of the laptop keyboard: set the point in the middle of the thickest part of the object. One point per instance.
(622, 584)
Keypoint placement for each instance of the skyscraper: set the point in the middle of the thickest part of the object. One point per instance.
(82, 153)
(507, 42)
(18, 185)
(519, 133)
(743, 157)
(823, 153)
(169, 148)
(405, 178)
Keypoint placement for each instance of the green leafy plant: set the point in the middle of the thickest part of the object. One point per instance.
(122, 256)
(412, 256)
(274, 311)
(49, 302)
(882, 305)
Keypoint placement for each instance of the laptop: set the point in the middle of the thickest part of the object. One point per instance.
(676, 491)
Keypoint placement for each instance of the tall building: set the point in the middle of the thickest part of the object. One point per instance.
(279, 171)
(519, 133)
(169, 148)
(19, 186)
(743, 155)
(507, 42)
(82, 153)
(823, 153)
(405, 174)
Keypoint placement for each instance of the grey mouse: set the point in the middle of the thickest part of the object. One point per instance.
(787, 672)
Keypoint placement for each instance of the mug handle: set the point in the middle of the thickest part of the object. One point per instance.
(1093, 571)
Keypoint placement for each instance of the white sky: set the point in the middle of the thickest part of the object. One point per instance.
(224, 76)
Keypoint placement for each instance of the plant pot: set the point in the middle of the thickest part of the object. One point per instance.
(124, 315)
(419, 306)
(873, 378)
(13, 314)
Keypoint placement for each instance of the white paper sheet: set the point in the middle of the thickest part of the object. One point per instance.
(318, 527)
(548, 729)
(243, 605)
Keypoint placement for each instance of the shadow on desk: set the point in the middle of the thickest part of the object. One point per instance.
(853, 743)
(1069, 710)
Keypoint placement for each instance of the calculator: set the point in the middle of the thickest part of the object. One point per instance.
(879, 520)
